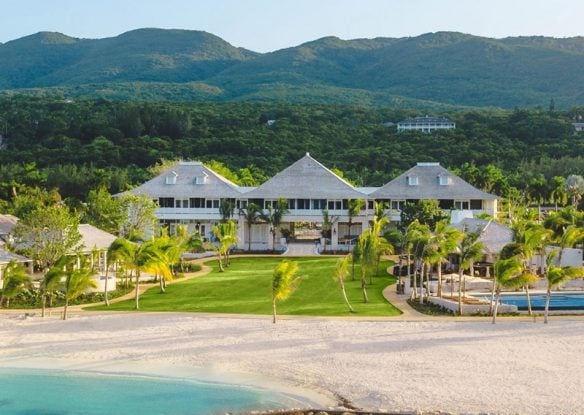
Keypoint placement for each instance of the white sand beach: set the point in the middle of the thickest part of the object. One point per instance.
(516, 366)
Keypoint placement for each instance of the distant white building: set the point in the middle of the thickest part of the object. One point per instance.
(578, 126)
(425, 124)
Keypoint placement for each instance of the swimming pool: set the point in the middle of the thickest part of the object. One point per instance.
(558, 301)
(36, 392)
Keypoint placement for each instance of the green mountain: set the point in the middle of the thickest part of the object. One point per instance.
(434, 69)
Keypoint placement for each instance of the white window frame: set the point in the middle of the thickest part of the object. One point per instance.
(211, 203)
(397, 204)
(413, 180)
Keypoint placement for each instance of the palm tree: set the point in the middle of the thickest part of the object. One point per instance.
(226, 234)
(509, 273)
(328, 221)
(341, 272)
(469, 250)
(381, 246)
(273, 217)
(556, 275)
(284, 282)
(77, 281)
(49, 284)
(445, 239)
(251, 214)
(354, 209)
(226, 209)
(419, 237)
(15, 280)
(367, 257)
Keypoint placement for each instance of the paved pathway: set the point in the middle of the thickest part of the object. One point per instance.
(301, 249)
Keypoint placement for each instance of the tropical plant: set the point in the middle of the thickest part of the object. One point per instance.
(105, 211)
(328, 221)
(252, 215)
(284, 282)
(226, 209)
(445, 239)
(556, 275)
(273, 217)
(341, 273)
(226, 235)
(77, 281)
(511, 274)
(354, 207)
(469, 250)
(575, 188)
(14, 280)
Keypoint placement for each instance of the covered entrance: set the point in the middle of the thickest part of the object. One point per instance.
(305, 232)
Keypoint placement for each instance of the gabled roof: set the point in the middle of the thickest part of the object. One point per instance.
(493, 235)
(306, 179)
(184, 184)
(429, 187)
(92, 237)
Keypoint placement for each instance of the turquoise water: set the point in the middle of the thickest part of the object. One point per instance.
(39, 392)
(558, 301)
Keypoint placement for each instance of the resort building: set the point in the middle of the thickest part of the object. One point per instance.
(192, 194)
(425, 124)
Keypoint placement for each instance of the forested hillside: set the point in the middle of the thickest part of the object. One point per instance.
(435, 70)
(76, 145)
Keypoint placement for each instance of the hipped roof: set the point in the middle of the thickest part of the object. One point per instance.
(186, 172)
(429, 186)
(306, 179)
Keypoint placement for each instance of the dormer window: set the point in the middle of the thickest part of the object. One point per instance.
(201, 179)
(171, 178)
(444, 180)
(412, 180)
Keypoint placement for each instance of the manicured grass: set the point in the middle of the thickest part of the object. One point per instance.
(246, 288)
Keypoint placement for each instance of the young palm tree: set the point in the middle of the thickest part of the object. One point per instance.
(341, 273)
(509, 273)
(284, 282)
(15, 280)
(226, 209)
(354, 209)
(273, 217)
(328, 221)
(77, 281)
(555, 276)
(226, 234)
(469, 249)
(50, 283)
(251, 214)
(367, 258)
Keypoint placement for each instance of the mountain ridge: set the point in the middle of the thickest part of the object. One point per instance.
(451, 68)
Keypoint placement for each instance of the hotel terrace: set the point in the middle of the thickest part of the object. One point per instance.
(190, 193)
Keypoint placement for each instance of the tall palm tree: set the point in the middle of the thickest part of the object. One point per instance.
(445, 239)
(50, 283)
(341, 273)
(77, 281)
(273, 217)
(509, 273)
(469, 250)
(419, 236)
(354, 207)
(15, 280)
(252, 216)
(284, 282)
(226, 209)
(556, 275)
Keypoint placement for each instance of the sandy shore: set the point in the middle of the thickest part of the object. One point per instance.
(470, 367)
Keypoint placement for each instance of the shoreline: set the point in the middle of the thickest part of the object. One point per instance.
(399, 366)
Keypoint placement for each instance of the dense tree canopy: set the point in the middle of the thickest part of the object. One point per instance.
(78, 146)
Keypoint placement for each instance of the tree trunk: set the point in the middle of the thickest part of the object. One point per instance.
(44, 303)
(422, 283)
(529, 312)
(248, 237)
(439, 291)
(161, 284)
(274, 311)
(137, 292)
(345, 295)
(65, 309)
(415, 283)
(221, 269)
(364, 285)
(105, 285)
(428, 272)
(493, 296)
(547, 304)
(460, 277)
(496, 306)
(274, 240)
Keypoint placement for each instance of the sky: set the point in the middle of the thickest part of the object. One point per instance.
(268, 25)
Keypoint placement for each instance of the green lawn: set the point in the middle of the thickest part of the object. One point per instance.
(246, 288)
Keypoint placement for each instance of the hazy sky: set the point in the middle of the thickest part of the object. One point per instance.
(266, 25)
